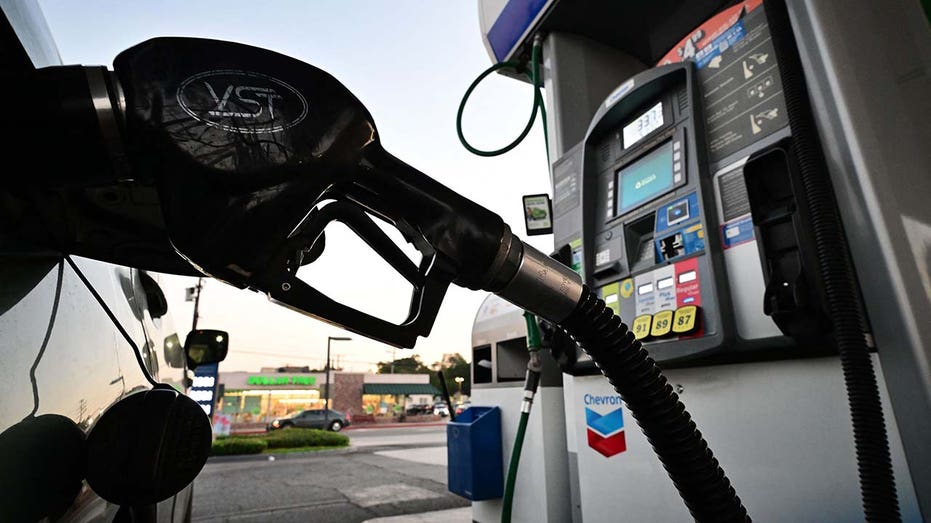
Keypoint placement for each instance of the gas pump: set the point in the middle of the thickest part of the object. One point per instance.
(691, 191)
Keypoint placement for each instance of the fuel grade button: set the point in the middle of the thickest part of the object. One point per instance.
(641, 326)
(685, 319)
(662, 324)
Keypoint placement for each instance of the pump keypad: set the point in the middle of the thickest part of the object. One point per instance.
(685, 319)
(662, 323)
(641, 326)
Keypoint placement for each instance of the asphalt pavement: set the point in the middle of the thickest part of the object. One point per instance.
(385, 472)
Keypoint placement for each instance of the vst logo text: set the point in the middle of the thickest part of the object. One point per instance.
(242, 101)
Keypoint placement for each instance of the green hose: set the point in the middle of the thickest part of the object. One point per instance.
(512, 468)
(532, 380)
(537, 102)
(534, 345)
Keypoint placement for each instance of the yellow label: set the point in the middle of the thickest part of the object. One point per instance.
(662, 323)
(627, 288)
(685, 320)
(641, 326)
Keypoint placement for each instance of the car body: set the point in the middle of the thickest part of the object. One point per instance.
(62, 356)
(83, 366)
(312, 419)
(419, 409)
(462, 406)
(441, 409)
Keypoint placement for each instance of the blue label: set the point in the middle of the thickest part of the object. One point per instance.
(693, 240)
(669, 210)
(720, 44)
(606, 424)
(510, 25)
(737, 232)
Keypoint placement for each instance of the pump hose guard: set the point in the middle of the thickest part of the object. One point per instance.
(685, 454)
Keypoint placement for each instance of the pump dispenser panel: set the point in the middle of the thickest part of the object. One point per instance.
(648, 190)
(681, 207)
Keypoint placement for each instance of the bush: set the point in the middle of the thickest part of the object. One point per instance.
(290, 438)
(231, 446)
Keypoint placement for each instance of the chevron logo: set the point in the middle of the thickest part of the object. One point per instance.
(605, 429)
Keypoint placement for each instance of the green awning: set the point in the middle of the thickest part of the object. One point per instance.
(399, 388)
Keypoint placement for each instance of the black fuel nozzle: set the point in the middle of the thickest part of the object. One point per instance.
(254, 153)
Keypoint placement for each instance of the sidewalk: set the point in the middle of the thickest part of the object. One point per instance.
(454, 515)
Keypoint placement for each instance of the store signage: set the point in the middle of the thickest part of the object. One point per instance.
(281, 380)
(204, 388)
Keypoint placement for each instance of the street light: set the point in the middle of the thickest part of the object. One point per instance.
(459, 380)
(326, 393)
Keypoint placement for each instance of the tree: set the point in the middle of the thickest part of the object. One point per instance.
(409, 365)
(452, 365)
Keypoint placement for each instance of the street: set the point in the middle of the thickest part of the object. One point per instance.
(384, 472)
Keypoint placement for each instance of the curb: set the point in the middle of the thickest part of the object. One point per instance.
(394, 425)
(356, 427)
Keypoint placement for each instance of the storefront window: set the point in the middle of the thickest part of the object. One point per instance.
(262, 406)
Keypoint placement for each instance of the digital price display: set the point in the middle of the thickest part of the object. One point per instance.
(644, 179)
(645, 124)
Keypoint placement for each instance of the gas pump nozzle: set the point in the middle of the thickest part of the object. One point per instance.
(254, 153)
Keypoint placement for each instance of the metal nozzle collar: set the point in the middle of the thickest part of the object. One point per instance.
(543, 286)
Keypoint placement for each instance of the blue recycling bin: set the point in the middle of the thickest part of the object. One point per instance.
(473, 447)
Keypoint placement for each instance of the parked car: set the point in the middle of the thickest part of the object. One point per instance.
(312, 419)
(462, 406)
(441, 409)
(416, 410)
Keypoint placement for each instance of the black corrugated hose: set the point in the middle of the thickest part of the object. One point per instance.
(691, 465)
(877, 482)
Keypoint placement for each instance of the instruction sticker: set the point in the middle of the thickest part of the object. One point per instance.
(737, 232)
(740, 81)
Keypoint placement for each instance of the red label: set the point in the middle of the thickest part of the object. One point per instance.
(688, 290)
(607, 446)
(708, 31)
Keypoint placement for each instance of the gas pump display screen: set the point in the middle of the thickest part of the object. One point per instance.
(645, 178)
(645, 124)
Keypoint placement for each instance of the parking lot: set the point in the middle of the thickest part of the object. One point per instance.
(385, 472)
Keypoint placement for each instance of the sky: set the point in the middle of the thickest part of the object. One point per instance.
(409, 62)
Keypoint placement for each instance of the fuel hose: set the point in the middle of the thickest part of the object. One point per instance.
(675, 438)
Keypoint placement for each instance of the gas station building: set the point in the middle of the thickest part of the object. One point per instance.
(259, 397)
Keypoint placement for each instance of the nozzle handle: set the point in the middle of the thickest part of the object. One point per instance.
(284, 287)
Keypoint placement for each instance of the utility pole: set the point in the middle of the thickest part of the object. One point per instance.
(197, 289)
(326, 392)
(459, 380)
